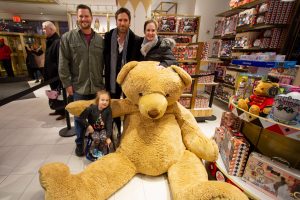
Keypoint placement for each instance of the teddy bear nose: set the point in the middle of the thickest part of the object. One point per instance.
(153, 113)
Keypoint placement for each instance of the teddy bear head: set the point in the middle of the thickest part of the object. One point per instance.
(152, 87)
(266, 88)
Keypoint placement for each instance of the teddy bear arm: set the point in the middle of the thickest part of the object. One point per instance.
(121, 107)
(193, 138)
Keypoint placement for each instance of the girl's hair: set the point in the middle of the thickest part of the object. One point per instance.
(99, 93)
(150, 21)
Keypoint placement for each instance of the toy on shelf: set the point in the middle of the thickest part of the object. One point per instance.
(262, 99)
(233, 147)
(286, 108)
(272, 177)
(166, 24)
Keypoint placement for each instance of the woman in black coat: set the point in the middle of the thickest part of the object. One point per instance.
(155, 48)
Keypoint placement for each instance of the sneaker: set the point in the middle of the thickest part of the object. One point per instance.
(36, 81)
(97, 153)
(90, 157)
(79, 150)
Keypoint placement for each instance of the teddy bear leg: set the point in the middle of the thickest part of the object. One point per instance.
(98, 181)
(242, 103)
(188, 180)
(254, 109)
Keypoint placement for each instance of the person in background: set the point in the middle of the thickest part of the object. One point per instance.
(39, 58)
(81, 65)
(155, 48)
(51, 61)
(121, 46)
(5, 58)
(31, 62)
(97, 119)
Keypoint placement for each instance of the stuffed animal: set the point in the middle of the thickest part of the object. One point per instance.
(159, 136)
(262, 98)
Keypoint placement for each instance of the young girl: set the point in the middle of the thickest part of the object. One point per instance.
(97, 119)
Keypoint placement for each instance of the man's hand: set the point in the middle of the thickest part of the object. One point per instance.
(70, 90)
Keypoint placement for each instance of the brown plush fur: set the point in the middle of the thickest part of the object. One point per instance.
(159, 136)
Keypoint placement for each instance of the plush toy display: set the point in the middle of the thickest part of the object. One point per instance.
(159, 136)
(262, 98)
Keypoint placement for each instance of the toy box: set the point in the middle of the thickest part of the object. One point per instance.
(167, 24)
(188, 24)
(272, 178)
(233, 148)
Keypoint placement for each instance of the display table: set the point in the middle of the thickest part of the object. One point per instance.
(267, 123)
(249, 190)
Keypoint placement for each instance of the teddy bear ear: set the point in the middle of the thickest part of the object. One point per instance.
(185, 77)
(125, 70)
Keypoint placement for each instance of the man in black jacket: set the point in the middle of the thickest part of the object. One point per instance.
(121, 46)
(51, 61)
(120, 43)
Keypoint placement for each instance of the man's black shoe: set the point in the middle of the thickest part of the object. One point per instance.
(79, 150)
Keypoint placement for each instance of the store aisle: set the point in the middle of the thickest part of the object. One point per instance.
(29, 138)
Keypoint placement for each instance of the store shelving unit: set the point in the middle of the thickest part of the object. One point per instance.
(229, 45)
(189, 54)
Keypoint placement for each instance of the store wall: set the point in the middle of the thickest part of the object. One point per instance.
(208, 9)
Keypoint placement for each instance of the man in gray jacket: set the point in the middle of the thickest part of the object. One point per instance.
(81, 64)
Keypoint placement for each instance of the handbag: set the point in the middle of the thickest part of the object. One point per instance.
(52, 94)
(55, 100)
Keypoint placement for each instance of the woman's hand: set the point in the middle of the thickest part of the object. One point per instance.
(108, 141)
(90, 129)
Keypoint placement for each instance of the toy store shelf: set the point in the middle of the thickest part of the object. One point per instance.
(213, 60)
(213, 83)
(187, 95)
(187, 61)
(234, 68)
(228, 85)
(290, 131)
(227, 102)
(240, 8)
(228, 37)
(254, 49)
(246, 28)
(266, 64)
(202, 112)
(225, 58)
(175, 33)
(217, 37)
(248, 189)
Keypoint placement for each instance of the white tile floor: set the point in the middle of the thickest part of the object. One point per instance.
(29, 138)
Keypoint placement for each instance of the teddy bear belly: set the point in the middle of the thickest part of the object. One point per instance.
(154, 146)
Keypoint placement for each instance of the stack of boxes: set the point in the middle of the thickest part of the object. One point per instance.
(233, 147)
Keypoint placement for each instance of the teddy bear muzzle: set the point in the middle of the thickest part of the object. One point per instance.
(153, 106)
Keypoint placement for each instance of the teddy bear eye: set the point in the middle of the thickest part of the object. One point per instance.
(167, 95)
(140, 94)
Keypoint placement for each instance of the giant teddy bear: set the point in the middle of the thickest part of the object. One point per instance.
(159, 136)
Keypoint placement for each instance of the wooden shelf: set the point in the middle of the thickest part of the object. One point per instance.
(213, 83)
(187, 61)
(175, 33)
(248, 28)
(240, 8)
(254, 49)
(201, 112)
(227, 102)
(248, 189)
(228, 85)
(186, 95)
